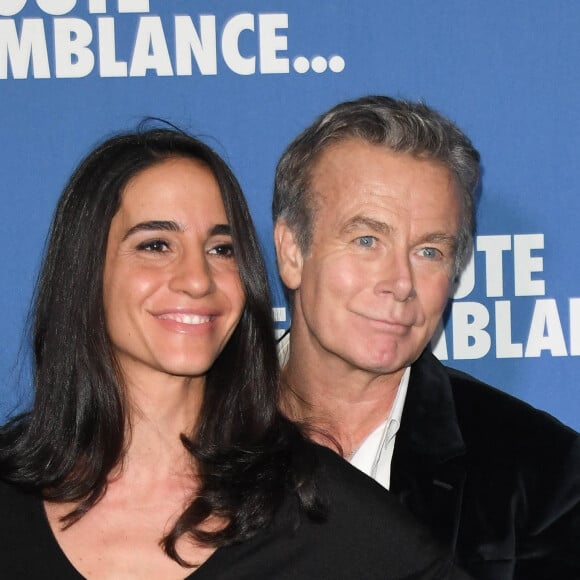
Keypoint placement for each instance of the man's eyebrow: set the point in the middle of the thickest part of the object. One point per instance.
(153, 225)
(361, 221)
(440, 237)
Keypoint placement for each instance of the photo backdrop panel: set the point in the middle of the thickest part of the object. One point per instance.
(247, 76)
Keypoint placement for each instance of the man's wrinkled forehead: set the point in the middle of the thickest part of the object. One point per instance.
(325, 162)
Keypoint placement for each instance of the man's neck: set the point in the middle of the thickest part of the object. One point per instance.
(335, 400)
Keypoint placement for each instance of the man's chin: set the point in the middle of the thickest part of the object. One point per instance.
(383, 363)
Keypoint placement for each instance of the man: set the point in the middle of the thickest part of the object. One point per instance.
(374, 212)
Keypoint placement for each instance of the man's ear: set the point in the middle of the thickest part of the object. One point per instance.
(288, 254)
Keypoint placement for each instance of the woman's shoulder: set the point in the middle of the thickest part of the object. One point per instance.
(14, 500)
(19, 517)
(27, 547)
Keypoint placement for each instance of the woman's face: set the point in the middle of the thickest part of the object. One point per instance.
(171, 288)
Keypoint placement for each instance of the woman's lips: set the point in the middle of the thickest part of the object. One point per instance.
(186, 322)
(185, 318)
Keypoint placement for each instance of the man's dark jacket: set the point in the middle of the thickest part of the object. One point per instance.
(496, 480)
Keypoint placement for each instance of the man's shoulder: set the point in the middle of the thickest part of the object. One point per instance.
(506, 420)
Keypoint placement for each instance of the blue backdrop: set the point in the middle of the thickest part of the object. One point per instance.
(249, 75)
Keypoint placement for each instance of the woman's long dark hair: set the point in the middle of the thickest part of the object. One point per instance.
(65, 447)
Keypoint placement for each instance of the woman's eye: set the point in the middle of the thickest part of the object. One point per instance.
(223, 250)
(153, 246)
(366, 241)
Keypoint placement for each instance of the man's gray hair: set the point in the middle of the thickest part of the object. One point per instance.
(401, 126)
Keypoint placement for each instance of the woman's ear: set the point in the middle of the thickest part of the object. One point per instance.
(288, 254)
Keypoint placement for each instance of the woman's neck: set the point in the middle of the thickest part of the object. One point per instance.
(160, 414)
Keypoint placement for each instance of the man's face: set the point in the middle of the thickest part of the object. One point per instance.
(376, 280)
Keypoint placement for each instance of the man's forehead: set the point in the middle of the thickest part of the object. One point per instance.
(354, 162)
(348, 199)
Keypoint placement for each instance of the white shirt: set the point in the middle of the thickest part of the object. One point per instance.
(375, 454)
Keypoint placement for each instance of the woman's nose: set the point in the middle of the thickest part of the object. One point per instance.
(192, 274)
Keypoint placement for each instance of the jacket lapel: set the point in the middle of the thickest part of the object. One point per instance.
(427, 471)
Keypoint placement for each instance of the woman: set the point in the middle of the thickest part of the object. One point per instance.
(154, 448)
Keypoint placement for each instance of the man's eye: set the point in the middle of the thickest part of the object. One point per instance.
(223, 250)
(366, 241)
(430, 253)
(153, 246)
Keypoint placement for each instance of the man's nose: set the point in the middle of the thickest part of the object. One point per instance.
(396, 277)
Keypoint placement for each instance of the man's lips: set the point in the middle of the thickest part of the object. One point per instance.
(389, 325)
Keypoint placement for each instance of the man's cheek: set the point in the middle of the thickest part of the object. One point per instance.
(345, 275)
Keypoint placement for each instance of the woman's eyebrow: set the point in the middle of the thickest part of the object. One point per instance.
(173, 226)
(221, 230)
(153, 225)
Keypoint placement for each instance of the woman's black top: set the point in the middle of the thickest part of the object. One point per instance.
(367, 536)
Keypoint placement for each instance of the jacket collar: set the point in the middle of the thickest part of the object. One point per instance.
(427, 472)
(429, 433)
